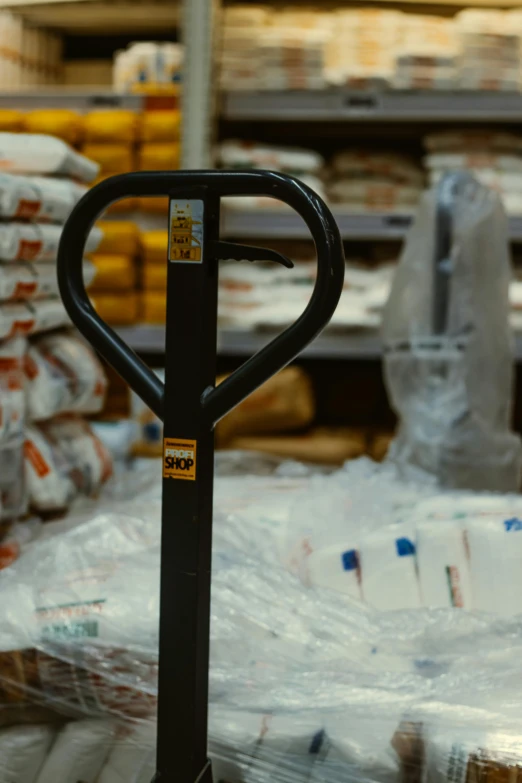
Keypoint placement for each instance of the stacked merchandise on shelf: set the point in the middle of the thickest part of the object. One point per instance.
(267, 297)
(118, 141)
(305, 164)
(361, 50)
(306, 679)
(277, 419)
(148, 66)
(116, 273)
(154, 246)
(36, 196)
(365, 180)
(426, 55)
(28, 56)
(493, 157)
(490, 52)
(477, 49)
(121, 141)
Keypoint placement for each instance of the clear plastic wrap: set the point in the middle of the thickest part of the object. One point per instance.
(448, 343)
(304, 682)
(13, 500)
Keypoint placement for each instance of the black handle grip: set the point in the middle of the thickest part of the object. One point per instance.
(216, 402)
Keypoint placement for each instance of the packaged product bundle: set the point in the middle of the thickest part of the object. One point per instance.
(62, 123)
(36, 241)
(336, 690)
(111, 158)
(63, 375)
(27, 153)
(368, 180)
(64, 460)
(242, 155)
(362, 49)
(19, 281)
(120, 237)
(113, 273)
(160, 126)
(154, 246)
(490, 55)
(12, 421)
(38, 198)
(110, 307)
(111, 126)
(426, 56)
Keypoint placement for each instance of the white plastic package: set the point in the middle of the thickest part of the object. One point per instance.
(78, 752)
(36, 241)
(25, 318)
(23, 750)
(28, 153)
(63, 460)
(63, 375)
(38, 198)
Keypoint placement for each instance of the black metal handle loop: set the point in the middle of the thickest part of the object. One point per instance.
(216, 402)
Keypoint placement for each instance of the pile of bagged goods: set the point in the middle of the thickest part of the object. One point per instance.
(380, 646)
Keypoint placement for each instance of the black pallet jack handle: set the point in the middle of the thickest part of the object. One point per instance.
(190, 404)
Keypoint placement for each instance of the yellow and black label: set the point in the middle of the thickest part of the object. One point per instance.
(186, 232)
(179, 459)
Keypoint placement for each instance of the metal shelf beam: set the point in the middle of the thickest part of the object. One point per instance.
(66, 98)
(284, 224)
(342, 105)
(349, 346)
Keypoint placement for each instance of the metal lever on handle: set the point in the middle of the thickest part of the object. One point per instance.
(190, 405)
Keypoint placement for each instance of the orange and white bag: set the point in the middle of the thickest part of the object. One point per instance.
(33, 153)
(24, 318)
(12, 421)
(63, 461)
(38, 198)
(36, 241)
(63, 375)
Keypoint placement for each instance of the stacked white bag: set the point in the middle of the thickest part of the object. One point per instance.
(41, 182)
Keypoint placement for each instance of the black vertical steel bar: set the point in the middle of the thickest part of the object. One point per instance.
(190, 368)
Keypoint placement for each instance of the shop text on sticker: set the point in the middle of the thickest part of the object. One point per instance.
(179, 459)
(186, 232)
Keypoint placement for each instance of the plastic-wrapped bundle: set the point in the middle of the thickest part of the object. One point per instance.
(12, 420)
(63, 375)
(303, 682)
(448, 344)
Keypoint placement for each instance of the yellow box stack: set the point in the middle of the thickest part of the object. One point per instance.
(154, 276)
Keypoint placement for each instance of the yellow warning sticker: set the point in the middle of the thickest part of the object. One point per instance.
(179, 459)
(186, 232)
